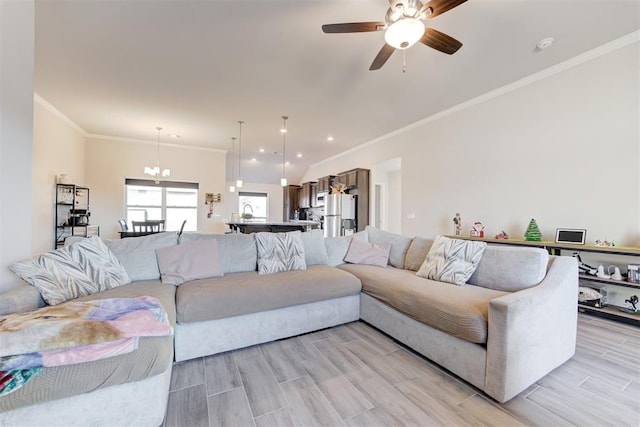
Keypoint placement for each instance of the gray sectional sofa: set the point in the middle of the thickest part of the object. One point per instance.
(510, 325)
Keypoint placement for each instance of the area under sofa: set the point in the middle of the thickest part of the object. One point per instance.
(528, 332)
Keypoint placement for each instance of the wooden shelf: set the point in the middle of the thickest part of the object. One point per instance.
(612, 312)
(610, 281)
(616, 250)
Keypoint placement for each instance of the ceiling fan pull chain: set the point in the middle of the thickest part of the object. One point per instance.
(404, 61)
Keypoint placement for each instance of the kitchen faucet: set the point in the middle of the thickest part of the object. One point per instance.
(244, 209)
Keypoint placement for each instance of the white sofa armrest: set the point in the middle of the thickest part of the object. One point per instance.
(20, 299)
(533, 331)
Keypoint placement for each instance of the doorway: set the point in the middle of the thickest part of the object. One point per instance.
(386, 177)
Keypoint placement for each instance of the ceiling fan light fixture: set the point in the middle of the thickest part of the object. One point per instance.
(404, 33)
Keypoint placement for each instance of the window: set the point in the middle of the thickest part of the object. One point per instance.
(254, 204)
(169, 200)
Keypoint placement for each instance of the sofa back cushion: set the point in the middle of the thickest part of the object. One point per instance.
(399, 244)
(315, 252)
(138, 254)
(510, 268)
(417, 253)
(237, 251)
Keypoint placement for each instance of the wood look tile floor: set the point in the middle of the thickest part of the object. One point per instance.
(354, 375)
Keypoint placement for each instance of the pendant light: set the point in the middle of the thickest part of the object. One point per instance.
(155, 171)
(232, 188)
(239, 180)
(283, 180)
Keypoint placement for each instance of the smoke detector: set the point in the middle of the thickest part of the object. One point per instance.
(544, 43)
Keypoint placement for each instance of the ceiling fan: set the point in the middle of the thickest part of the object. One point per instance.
(404, 26)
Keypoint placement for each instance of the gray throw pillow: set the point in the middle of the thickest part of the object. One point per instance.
(361, 252)
(337, 246)
(83, 268)
(452, 260)
(399, 244)
(314, 250)
(278, 252)
(237, 251)
(189, 261)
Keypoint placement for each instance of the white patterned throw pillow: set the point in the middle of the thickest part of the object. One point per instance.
(80, 269)
(279, 252)
(452, 260)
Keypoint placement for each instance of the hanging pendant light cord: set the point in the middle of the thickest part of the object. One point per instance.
(284, 139)
(240, 149)
(233, 152)
(158, 128)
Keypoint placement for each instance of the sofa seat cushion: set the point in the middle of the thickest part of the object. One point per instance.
(461, 311)
(244, 293)
(153, 356)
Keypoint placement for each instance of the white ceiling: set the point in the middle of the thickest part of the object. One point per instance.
(121, 68)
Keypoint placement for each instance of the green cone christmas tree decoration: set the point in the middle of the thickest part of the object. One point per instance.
(533, 233)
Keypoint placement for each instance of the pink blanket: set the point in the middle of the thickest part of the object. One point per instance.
(77, 332)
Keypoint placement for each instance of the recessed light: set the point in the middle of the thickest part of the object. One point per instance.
(299, 155)
(173, 135)
(261, 150)
(283, 130)
(544, 43)
(287, 164)
(254, 159)
(329, 138)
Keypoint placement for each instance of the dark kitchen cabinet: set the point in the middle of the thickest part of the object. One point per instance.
(325, 183)
(289, 201)
(304, 199)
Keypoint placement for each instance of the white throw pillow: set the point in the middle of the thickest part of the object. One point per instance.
(361, 252)
(189, 261)
(83, 268)
(452, 260)
(279, 252)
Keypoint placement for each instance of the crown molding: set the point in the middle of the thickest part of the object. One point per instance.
(59, 114)
(590, 55)
(148, 142)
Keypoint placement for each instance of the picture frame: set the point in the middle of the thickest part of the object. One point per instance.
(574, 236)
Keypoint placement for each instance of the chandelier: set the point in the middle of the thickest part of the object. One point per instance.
(155, 171)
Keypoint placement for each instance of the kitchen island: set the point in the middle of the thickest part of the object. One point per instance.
(248, 226)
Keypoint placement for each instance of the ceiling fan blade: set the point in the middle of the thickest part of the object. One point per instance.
(353, 27)
(438, 7)
(382, 57)
(440, 41)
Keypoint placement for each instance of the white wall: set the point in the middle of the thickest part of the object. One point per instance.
(110, 160)
(16, 134)
(563, 149)
(58, 147)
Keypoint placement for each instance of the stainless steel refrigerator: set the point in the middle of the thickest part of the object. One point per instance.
(339, 215)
